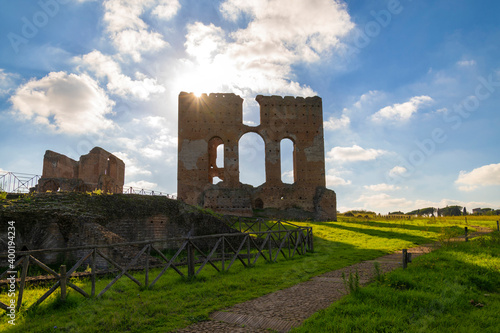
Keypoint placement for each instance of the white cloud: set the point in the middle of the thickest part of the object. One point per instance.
(118, 83)
(287, 176)
(6, 82)
(336, 123)
(353, 154)
(142, 184)
(401, 112)
(166, 9)
(368, 98)
(466, 63)
(307, 29)
(382, 187)
(482, 176)
(397, 170)
(128, 32)
(132, 166)
(333, 180)
(258, 58)
(150, 137)
(65, 103)
(204, 42)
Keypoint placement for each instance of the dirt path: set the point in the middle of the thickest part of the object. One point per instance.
(287, 308)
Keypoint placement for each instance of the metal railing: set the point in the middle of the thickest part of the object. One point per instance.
(16, 182)
(132, 190)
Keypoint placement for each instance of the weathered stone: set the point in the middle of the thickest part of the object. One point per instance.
(211, 120)
(96, 170)
(64, 220)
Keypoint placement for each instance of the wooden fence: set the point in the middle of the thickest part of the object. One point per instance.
(192, 256)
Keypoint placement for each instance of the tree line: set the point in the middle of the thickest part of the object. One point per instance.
(451, 211)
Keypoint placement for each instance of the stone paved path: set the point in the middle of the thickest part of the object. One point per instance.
(287, 308)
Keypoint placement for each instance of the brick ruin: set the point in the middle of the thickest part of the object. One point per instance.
(217, 119)
(98, 169)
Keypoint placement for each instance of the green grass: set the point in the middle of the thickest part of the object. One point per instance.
(453, 289)
(175, 302)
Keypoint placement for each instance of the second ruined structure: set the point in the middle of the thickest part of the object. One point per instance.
(209, 121)
(97, 170)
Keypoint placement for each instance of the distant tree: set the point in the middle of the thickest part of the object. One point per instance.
(438, 212)
(349, 214)
(487, 211)
(464, 212)
(452, 211)
(397, 213)
(429, 211)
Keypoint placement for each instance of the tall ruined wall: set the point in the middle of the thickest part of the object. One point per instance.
(210, 120)
(56, 165)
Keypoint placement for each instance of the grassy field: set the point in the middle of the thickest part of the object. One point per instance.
(175, 302)
(453, 289)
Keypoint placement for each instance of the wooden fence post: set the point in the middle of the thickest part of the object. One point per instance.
(466, 236)
(405, 258)
(24, 274)
(248, 249)
(148, 253)
(63, 282)
(93, 272)
(270, 246)
(190, 259)
(223, 258)
(498, 226)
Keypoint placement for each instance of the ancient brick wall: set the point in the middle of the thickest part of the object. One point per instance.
(210, 120)
(98, 169)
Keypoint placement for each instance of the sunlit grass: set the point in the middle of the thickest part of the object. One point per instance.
(175, 302)
(453, 289)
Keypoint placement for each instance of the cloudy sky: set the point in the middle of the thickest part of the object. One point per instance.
(410, 89)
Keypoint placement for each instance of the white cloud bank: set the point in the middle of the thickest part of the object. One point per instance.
(401, 112)
(65, 103)
(259, 57)
(482, 176)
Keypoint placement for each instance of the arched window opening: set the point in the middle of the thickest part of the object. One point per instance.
(258, 204)
(215, 160)
(287, 152)
(252, 166)
(220, 156)
(251, 113)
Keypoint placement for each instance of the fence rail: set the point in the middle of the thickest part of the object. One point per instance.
(190, 258)
(16, 182)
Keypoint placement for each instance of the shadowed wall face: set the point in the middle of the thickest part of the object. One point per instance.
(209, 121)
(98, 169)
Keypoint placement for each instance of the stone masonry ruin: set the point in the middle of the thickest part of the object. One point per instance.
(98, 169)
(217, 119)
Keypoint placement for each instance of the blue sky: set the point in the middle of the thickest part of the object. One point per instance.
(410, 89)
